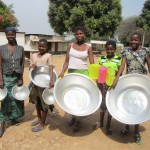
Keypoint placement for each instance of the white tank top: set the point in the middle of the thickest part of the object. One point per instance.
(78, 59)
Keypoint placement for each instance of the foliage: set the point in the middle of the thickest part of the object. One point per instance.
(144, 20)
(127, 27)
(99, 17)
(7, 17)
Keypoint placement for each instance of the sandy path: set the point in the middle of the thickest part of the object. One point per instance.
(58, 136)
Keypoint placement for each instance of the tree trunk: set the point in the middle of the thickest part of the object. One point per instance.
(143, 40)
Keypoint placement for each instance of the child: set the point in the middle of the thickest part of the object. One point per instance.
(134, 58)
(113, 61)
(41, 58)
(76, 62)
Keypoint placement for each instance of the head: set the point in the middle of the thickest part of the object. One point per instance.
(42, 46)
(110, 48)
(135, 40)
(10, 33)
(79, 34)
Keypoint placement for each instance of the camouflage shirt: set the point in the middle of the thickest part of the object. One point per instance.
(135, 61)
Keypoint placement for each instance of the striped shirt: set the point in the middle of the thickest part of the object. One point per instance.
(114, 63)
(11, 62)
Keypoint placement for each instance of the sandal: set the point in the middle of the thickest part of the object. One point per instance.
(137, 139)
(77, 126)
(51, 107)
(72, 122)
(14, 122)
(35, 123)
(96, 126)
(37, 129)
(124, 132)
(2, 129)
(108, 131)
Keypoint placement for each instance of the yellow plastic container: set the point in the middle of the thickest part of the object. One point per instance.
(111, 73)
(93, 71)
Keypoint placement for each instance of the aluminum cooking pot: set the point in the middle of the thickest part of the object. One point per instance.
(40, 76)
(48, 96)
(77, 94)
(129, 102)
(20, 92)
(3, 93)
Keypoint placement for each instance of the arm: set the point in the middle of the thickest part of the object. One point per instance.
(91, 57)
(32, 64)
(51, 83)
(148, 63)
(20, 81)
(120, 70)
(65, 65)
(1, 74)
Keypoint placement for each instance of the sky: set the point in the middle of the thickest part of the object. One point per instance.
(32, 14)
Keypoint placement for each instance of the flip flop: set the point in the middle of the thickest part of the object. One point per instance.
(137, 139)
(2, 130)
(124, 132)
(37, 129)
(35, 123)
(15, 122)
(96, 126)
(109, 131)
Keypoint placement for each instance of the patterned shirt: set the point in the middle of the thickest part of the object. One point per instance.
(11, 62)
(135, 61)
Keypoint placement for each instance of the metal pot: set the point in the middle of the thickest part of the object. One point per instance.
(3, 93)
(48, 96)
(20, 92)
(129, 102)
(40, 76)
(77, 94)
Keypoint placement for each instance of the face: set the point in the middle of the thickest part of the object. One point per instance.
(11, 36)
(79, 35)
(42, 46)
(135, 42)
(110, 50)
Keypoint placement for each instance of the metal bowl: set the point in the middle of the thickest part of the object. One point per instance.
(20, 92)
(129, 102)
(77, 94)
(48, 96)
(3, 93)
(40, 76)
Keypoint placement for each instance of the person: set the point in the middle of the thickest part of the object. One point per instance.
(76, 61)
(134, 59)
(113, 61)
(11, 73)
(37, 59)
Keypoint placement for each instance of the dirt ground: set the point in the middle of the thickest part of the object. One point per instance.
(58, 136)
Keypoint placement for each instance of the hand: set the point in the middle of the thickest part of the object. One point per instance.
(34, 66)
(20, 82)
(1, 84)
(51, 84)
(61, 75)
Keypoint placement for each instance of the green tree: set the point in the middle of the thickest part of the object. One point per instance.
(99, 17)
(127, 27)
(7, 17)
(144, 20)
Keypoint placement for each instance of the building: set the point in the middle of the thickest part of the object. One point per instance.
(100, 46)
(30, 42)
